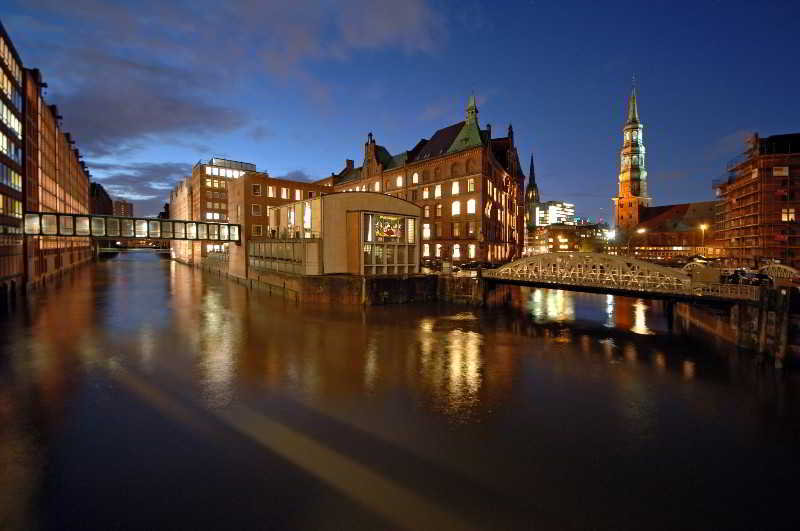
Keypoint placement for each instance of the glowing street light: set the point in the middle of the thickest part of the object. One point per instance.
(703, 227)
(641, 230)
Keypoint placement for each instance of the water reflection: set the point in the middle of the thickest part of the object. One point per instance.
(463, 404)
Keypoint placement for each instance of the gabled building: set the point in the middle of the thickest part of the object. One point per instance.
(468, 184)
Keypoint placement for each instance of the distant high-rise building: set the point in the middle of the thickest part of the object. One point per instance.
(123, 208)
(551, 212)
(632, 195)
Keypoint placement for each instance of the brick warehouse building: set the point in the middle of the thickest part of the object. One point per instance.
(759, 204)
(56, 180)
(469, 185)
(11, 166)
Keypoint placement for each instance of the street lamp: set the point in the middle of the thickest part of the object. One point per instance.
(703, 227)
(641, 230)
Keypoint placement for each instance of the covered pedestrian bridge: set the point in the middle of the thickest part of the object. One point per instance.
(82, 225)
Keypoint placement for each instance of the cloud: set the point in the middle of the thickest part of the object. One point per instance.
(259, 132)
(147, 184)
(126, 75)
(298, 175)
(728, 146)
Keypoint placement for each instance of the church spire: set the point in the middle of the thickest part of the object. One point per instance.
(532, 174)
(472, 110)
(633, 107)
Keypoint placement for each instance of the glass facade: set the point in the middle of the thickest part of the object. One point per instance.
(388, 244)
(107, 226)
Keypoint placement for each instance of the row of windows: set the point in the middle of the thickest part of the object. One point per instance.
(10, 207)
(455, 230)
(218, 206)
(215, 216)
(455, 208)
(286, 193)
(224, 172)
(455, 252)
(10, 149)
(456, 187)
(8, 59)
(10, 178)
(11, 92)
(10, 119)
(214, 183)
(215, 195)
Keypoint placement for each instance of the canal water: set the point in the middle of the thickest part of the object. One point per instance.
(142, 394)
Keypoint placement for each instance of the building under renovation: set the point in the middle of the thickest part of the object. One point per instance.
(756, 216)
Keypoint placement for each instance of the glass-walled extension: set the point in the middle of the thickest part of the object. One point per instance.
(41, 224)
(389, 245)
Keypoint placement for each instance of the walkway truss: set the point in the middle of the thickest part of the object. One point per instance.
(78, 225)
(614, 273)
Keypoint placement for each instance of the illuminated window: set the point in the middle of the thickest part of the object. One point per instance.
(426, 249)
(455, 188)
(208, 170)
(787, 214)
(456, 251)
(470, 185)
(415, 178)
(284, 193)
(214, 171)
(471, 250)
(298, 195)
(208, 183)
(411, 230)
(425, 193)
(439, 250)
(470, 206)
(399, 181)
(255, 210)
(437, 191)
(426, 231)
(290, 216)
(456, 208)
(257, 230)
(427, 211)
(439, 210)
(376, 186)
(256, 189)
(270, 191)
(307, 215)
(209, 204)
(456, 230)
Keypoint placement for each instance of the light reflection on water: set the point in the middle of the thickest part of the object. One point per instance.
(576, 393)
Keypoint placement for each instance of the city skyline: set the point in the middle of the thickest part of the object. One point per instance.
(165, 100)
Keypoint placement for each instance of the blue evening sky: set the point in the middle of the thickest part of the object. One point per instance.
(150, 87)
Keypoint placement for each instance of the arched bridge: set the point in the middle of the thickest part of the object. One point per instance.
(614, 274)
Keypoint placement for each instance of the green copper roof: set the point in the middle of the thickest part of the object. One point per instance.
(633, 108)
(470, 135)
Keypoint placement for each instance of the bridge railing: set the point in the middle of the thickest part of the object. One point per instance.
(81, 225)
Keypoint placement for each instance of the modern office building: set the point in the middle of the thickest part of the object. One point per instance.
(123, 208)
(759, 203)
(205, 196)
(12, 110)
(551, 212)
(468, 185)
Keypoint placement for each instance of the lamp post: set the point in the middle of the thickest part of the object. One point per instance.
(630, 238)
(703, 227)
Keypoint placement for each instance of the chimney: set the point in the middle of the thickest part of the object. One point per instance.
(489, 131)
(348, 164)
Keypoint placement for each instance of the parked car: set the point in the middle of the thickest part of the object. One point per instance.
(433, 264)
(475, 265)
(759, 279)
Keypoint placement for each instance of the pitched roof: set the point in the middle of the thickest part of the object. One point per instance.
(684, 217)
(349, 175)
(439, 143)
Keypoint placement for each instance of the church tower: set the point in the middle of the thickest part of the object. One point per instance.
(531, 199)
(632, 195)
